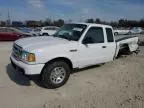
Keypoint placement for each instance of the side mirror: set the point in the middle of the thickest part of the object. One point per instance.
(88, 40)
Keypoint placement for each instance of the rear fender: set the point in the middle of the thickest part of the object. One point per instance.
(133, 47)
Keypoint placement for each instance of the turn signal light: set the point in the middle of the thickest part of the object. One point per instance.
(31, 58)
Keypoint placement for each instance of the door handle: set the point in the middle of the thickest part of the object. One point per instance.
(73, 50)
(104, 46)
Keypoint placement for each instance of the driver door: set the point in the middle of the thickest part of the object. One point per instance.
(93, 50)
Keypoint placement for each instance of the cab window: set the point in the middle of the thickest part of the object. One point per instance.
(94, 35)
(109, 35)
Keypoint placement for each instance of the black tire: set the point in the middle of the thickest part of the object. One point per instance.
(45, 34)
(116, 33)
(47, 71)
(129, 33)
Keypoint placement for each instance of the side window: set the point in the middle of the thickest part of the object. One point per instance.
(3, 29)
(56, 28)
(46, 28)
(50, 28)
(9, 30)
(109, 35)
(94, 35)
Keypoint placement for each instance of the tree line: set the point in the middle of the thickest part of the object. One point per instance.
(60, 22)
(119, 23)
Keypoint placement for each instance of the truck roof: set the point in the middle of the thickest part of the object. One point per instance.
(92, 24)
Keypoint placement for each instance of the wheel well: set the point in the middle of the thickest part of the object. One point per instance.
(125, 46)
(60, 59)
(125, 49)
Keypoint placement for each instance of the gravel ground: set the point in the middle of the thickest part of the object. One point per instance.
(117, 84)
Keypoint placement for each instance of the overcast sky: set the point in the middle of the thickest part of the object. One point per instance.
(72, 9)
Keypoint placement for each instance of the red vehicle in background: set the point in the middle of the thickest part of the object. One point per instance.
(11, 34)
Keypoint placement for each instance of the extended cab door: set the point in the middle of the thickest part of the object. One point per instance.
(94, 48)
(110, 44)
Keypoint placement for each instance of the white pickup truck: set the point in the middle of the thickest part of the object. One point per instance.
(74, 45)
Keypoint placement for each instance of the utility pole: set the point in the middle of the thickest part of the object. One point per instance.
(0, 20)
(9, 20)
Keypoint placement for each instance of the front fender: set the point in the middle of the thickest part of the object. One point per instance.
(43, 58)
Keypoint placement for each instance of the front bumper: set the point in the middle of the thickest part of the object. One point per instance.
(27, 69)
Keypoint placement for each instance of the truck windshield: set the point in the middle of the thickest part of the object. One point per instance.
(71, 31)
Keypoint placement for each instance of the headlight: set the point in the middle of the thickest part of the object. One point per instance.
(28, 57)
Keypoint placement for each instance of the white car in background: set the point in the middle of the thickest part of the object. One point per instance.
(136, 30)
(36, 31)
(121, 31)
(49, 30)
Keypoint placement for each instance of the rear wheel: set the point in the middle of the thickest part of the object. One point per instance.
(56, 74)
(45, 34)
(129, 33)
(116, 33)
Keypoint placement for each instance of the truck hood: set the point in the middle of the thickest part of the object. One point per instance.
(33, 43)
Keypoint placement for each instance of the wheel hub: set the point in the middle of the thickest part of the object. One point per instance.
(57, 75)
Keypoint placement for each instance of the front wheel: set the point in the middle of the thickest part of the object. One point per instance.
(56, 74)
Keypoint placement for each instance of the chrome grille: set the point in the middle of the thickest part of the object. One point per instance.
(17, 51)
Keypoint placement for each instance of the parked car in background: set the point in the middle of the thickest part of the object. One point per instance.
(121, 31)
(36, 31)
(11, 34)
(136, 30)
(25, 30)
(49, 30)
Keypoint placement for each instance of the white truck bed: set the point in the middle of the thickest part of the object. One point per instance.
(123, 37)
(129, 41)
